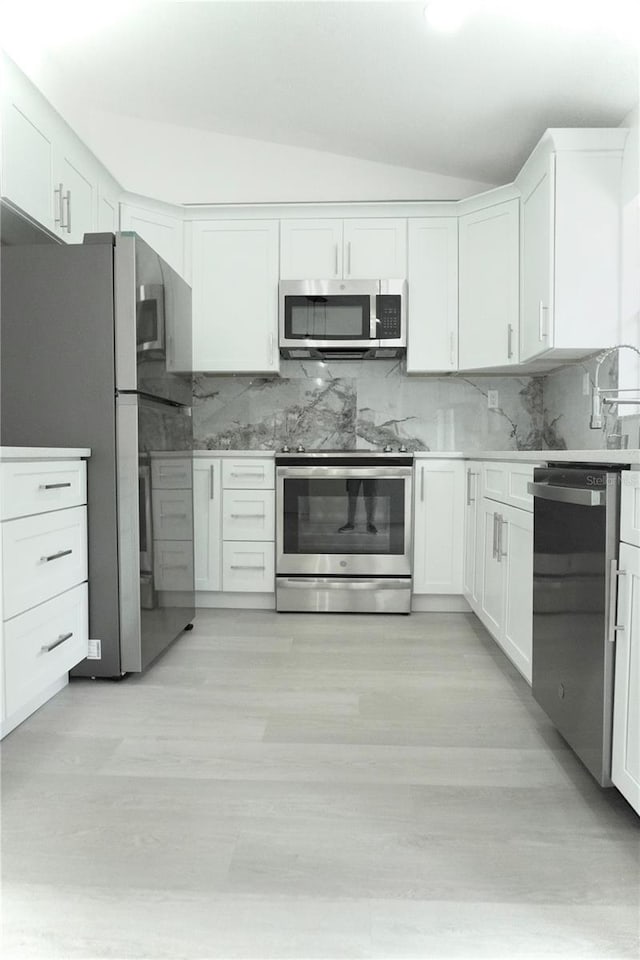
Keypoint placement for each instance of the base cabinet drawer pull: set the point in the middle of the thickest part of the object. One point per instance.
(247, 566)
(247, 473)
(56, 556)
(48, 647)
(247, 516)
(175, 516)
(53, 486)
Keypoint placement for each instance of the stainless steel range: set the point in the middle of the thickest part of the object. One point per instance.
(343, 530)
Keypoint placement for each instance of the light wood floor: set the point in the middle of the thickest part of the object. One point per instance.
(312, 786)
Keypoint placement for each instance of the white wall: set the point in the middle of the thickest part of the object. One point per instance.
(630, 274)
(185, 165)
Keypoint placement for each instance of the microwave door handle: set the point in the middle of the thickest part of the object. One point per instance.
(373, 320)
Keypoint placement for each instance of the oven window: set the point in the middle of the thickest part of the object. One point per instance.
(344, 516)
(327, 318)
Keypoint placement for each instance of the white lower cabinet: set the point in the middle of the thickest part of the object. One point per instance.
(438, 527)
(505, 554)
(630, 507)
(207, 528)
(248, 567)
(472, 516)
(44, 595)
(625, 760)
(234, 525)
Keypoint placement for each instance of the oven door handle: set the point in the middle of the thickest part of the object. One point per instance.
(345, 473)
(342, 583)
(575, 495)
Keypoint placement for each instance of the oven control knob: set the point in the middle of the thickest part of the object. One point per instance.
(402, 448)
(388, 449)
(300, 448)
(285, 449)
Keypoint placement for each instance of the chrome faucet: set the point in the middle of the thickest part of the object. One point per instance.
(597, 395)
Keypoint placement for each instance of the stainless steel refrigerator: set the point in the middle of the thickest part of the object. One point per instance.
(96, 352)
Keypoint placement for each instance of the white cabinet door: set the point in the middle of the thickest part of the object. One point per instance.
(310, 249)
(472, 531)
(489, 286)
(248, 515)
(108, 209)
(491, 606)
(375, 249)
(536, 259)
(516, 555)
(235, 296)
(630, 508)
(163, 232)
(79, 202)
(625, 759)
(438, 527)
(432, 317)
(248, 567)
(207, 515)
(27, 148)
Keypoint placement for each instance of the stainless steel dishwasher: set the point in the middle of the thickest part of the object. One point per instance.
(575, 551)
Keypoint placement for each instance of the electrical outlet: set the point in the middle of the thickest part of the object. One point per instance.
(586, 385)
(492, 399)
(95, 650)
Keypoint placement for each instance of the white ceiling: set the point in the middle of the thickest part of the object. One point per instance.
(361, 79)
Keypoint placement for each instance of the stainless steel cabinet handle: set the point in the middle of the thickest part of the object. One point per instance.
(336, 260)
(53, 486)
(56, 556)
(452, 344)
(211, 482)
(47, 648)
(509, 341)
(614, 574)
(349, 258)
(470, 473)
(502, 524)
(421, 484)
(494, 551)
(576, 495)
(247, 566)
(67, 197)
(247, 473)
(58, 202)
(541, 310)
(251, 516)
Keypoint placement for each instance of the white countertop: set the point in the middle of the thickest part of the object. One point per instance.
(258, 454)
(43, 453)
(537, 456)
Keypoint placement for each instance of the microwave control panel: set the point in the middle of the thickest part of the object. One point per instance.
(388, 315)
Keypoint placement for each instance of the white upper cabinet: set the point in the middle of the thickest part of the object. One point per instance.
(76, 191)
(368, 249)
(489, 280)
(27, 147)
(432, 313)
(311, 249)
(234, 278)
(570, 244)
(160, 229)
(375, 249)
(108, 208)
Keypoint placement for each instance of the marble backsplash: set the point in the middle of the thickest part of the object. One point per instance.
(368, 404)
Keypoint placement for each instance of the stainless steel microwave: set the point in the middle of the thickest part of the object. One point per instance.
(342, 319)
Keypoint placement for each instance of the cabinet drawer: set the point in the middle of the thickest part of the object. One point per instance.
(248, 515)
(42, 556)
(630, 508)
(171, 473)
(173, 564)
(43, 644)
(246, 473)
(507, 483)
(32, 487)
(172, 514)
(248, 567)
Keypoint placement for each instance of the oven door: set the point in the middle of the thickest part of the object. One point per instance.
(344, 521)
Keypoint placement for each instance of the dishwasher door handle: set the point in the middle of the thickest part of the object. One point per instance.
(577, 495)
